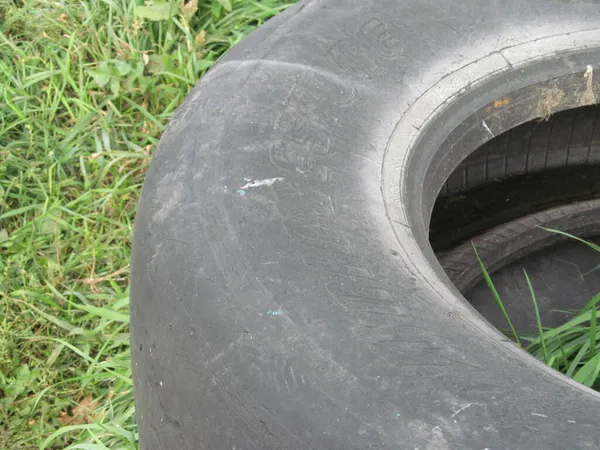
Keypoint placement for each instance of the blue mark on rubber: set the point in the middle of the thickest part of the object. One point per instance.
(241, 192)
(279, 312)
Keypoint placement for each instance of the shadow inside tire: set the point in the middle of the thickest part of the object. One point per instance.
(565, 277)
(481, 204)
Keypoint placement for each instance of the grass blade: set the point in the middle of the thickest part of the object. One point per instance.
(577, 360)
(570, 236)
(538, 320)
(593, 328)
(490, 284)
(589, 372)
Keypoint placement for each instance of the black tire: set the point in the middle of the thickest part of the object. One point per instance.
(284, 292)
(536, 166)
(511, 241)
(569, 138)
(564, 278)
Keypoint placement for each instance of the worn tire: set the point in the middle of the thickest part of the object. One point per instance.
(536, 166)
(284, 292)
(513, 240)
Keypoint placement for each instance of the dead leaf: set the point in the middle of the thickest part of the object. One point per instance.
(200, 39)
(84, 410)
(550, 100)
(64, 418)
(81, 413)
(588, 97)
(137, 25)
(189, 9)
(123, 50)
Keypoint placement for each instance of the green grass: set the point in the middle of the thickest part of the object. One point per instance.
(86, 88)
(573, 347)
(496, 296)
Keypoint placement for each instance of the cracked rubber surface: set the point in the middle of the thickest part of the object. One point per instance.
(307, 310)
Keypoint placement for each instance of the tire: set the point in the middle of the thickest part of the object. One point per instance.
(511, 241)
(284, 291)
(567, 139)
(564, 278)
(531, 168)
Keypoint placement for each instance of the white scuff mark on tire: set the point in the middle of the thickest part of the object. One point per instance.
(461, 409)
(485, 125)
(539, 415)
(168, 198)
(279, 312)
(265, 182)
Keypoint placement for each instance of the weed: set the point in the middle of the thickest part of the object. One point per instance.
(496, 295)
(571, 348)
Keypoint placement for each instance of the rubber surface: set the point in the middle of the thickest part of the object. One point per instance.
(284, 293)
(460, 217)
(563, 271)
(566, 139)
(511, 241)
(538, 165)
(565, 277)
